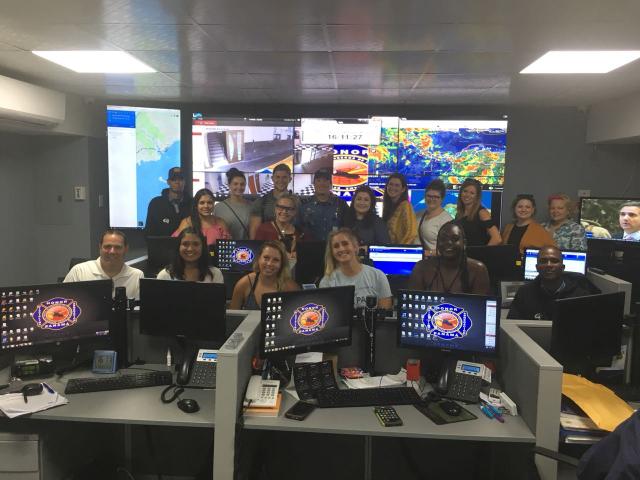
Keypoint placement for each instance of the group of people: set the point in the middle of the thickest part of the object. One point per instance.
(282, 219)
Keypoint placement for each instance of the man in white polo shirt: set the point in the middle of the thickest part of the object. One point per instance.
(110, 265)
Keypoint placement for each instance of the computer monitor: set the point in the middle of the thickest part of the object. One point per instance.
(173, 308)
(395, 259)
(502, 261)
(574, 261)
(35, 315)
(602, 220)
(309, 266)
(587, 331)
(307, 319)
(448, 322)
(236, 255)
(160, 252)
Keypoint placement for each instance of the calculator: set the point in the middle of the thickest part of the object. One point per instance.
(387, 416)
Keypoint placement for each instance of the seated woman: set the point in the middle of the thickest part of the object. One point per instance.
(473, 217)
(362, 219)
(433, 217)
(343, 268)
(191, 261)
(397, 211)
(568, 234)
(270, 274)
(450, 271)
(203, 220)
(525, 232)
(282, 227)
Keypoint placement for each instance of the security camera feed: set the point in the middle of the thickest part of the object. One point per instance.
(40, 314)
(573, 262)
(237, 255)
(464, 323)
(248, 144)
(299, 321)
(611, 218)
(452, 151)
(143, 144)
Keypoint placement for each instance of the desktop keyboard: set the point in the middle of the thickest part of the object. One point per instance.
(134, 380)
(366, 397)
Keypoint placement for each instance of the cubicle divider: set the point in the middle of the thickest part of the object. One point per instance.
(530, 376)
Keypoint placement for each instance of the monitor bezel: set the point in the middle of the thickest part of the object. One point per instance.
(81, 339)
(220, 333)
(451, 351)
(305, 348)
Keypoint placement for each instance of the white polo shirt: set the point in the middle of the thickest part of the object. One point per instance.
(128, 277)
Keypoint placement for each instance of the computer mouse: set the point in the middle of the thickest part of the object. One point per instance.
(188, 405)
(451, 408)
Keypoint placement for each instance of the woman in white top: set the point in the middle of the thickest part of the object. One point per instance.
(191, 263)
(235, 210)
(433, 217)
(343, 268)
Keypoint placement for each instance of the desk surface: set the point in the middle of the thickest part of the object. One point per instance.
(132, 406)
(362, 421)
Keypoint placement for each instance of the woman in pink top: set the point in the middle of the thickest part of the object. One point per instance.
(203, 219)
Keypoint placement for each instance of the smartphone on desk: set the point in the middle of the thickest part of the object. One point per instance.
(300, 411)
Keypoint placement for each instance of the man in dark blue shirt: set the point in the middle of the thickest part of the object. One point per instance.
(322, 212)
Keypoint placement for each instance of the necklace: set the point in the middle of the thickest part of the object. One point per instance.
(444, 287)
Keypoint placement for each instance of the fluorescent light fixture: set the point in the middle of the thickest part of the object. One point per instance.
(594, 61)
(95, 61)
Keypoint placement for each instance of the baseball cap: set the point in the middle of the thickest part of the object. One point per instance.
(174, 173)
(323, 172)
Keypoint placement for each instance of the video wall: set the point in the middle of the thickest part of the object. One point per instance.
(358, 151)
(145, 142)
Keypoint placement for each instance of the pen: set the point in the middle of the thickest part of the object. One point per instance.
(496, 413)
(486, 411)
(48, 388)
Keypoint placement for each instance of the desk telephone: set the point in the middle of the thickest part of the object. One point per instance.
(261, 393)
(199, 372)
(464, 381)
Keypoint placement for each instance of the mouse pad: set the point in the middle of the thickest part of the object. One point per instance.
(433, 411)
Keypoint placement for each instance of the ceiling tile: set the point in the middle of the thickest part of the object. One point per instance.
(275, 12)
(264, 38)
(292, 63)
(382, 82)
(157, 37)
(287, 80)
(50, 37)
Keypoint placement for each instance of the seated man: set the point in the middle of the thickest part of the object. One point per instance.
(535, 299)
(110, 265)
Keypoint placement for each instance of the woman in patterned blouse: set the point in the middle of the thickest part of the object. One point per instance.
(568, 234)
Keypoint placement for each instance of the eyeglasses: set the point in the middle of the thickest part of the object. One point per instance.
(433, 197)
(286, 209)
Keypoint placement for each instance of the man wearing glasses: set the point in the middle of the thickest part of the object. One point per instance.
(322, 212)
(263, 209)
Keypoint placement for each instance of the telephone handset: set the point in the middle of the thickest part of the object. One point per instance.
(464, 381)
(199, 372)
(261, 393)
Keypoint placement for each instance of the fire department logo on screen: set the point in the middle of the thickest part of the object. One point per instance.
(309, 319)
(446, 321)
(242, 255)
(56, 313)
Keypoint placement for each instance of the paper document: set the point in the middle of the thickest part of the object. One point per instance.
(13, 404)
(374, 382)
(604, 407)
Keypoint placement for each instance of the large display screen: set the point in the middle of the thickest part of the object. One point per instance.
(33, 315)
(610, 218)
(143, 144)
(458, 322)
(252, 145)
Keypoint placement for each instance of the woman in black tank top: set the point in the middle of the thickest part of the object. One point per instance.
(271, 273)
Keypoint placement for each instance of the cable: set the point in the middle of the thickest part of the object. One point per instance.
(126, 472)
